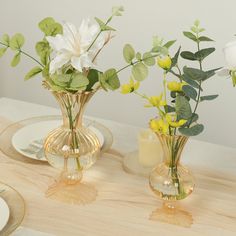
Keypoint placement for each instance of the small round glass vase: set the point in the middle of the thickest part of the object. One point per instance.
(72, 148)
(170, 180)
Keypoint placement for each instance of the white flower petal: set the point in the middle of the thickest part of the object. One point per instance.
(59, 61)
(81, 62)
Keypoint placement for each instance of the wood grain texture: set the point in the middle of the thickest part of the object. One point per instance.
(124, 202)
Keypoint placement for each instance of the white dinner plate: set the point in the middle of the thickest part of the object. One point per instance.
(4, 213)
(28, 140)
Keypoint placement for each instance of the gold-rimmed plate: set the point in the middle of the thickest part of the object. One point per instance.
(16, 205)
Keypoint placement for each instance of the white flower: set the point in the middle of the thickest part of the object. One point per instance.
(230, 58)
(72, 46)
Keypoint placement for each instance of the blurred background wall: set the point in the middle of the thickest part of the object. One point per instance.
(140, 21)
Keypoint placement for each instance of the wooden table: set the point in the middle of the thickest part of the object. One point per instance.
(124, 201)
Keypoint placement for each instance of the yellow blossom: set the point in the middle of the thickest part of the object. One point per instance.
(171, 119)
(175, 86)
(156, 101)
(164, 62)
(130, 87)
(159, 126)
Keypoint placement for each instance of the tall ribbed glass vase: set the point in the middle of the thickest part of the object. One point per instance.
(71, 147)
(171, 181)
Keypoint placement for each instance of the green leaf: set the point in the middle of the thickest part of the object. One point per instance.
(188, 55)
(78, 81)
(191, 82)
(190, 36)
(162, 50)
(208, 98)
(204, 38)
(192, 131)
(182, 107)
(103, 26)
(6, 39)
(148, 59)
(128, 53)
(174, 60)
(190, 92)
(16, 59)
(193, 73)
(2, 51)
(203, 53)
(138, 56)
(50, 27)
(139, 71)
(169, 109)
(17, 41)
(117, 11)
(191, 120)
(43, 50)
(109, 79)
(36, 70)
(93, 78)
(169, 43)
(210, 73)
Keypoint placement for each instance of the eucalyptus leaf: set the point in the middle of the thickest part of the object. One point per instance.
(182, 107)
(78, 80)
(169, 44)
(148, 59)
(109, 80)
(6, 39)
(188, 55)
(203, 53)
(195, 74)
(192, 131)
(169, 109)
(93, 78)
(191, 82)
(190, 92)
(50, 27)
(138, 56)
(16, 42)
(36, 70)
(2, 51)
(204, 38)
(190, 36)
(139, 71)
(16, 59)
(208, 97)
(210, 73)
(174, 60)
(128, 53)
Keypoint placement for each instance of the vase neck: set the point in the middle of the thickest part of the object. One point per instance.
(72, 107)
(172, 148)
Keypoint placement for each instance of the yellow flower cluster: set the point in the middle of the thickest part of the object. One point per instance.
(156, 101)
(130, 87)
(162, 125)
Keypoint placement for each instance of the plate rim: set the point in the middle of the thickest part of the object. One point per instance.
(2, 200)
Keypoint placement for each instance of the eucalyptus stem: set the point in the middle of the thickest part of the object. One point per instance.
(25, 53)
(199, 89)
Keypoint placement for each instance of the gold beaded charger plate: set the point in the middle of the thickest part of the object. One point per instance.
(16, 205)
(33, 151)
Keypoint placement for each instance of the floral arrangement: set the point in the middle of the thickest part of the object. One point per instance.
(67, 54)
(178, 103)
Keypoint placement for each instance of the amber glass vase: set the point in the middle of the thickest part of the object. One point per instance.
(71, 147)
(171, 182)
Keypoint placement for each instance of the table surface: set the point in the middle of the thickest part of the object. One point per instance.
(124, 201)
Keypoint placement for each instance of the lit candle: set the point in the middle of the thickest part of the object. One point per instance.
(150, 150)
